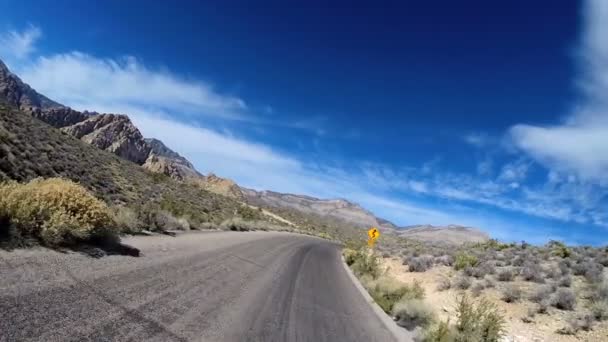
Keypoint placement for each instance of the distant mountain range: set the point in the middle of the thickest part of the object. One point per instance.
(117, 134)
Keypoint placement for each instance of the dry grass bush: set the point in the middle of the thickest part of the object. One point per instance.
(511, 293)
(126, 219)
(599, 310)
(477, 289)
(387, 291)
(445, 260)
(532, 271)
(444, 284)
(565, 281)
(412, 313)
(505, 274)
(56, 211)
(421, 263)
(241, 225)
(564, 299)
(462, 282)
(476, 322)
(542, 293)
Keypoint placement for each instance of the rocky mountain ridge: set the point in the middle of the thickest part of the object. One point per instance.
(117, 134)
(335, 208)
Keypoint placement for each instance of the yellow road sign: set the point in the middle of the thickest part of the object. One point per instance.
(373, 233)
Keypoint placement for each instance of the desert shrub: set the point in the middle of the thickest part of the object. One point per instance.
(541, 293)
(444, 284)
(600, 290)
(248, 213)
(488, 283)
(478, 322)
(445, 260)
(366, 264)
(599, 310)
(477, 289)
(519, 260)
(582, 267)
(464, 260)
(511, 294)
(565, 281)
(462, 282)
(505, 274)
(412, 313)
(474, 323)
(564, 299)
(594, 272)
(387, 291)
(564, 266)
(576, 323)
(126, 219)
(54, 210)
(421, 263)
(543, 306)
(559, 249)
(533, 272)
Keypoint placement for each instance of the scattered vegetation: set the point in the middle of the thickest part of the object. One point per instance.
(476, 322)
(54, 211)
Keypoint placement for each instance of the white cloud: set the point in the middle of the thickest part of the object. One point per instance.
(579, 144)
(15, 45)
(477, 139)
(78, 79)
(513, 171)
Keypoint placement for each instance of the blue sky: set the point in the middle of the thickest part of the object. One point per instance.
(474, 113)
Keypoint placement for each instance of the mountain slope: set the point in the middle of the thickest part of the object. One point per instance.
(30, 148)
(453, 234)
(340, 209)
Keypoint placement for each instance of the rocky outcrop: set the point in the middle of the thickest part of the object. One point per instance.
(166, 161)
(113, 133)
(21, 95)
(222, 186)
(451, 234)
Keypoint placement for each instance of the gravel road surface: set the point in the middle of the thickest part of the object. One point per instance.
(218, 286)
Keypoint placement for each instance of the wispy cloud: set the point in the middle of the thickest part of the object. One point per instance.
(16, 45)
(477, 139)
(578, 145)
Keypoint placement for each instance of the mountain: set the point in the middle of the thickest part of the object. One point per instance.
(112, 133)
(21, 95)
(162, 159)
(340, 209)
(116, 134)
(452, 234)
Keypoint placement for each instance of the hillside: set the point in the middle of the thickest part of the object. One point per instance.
(452, 234)
(338, 209)
(30, 148)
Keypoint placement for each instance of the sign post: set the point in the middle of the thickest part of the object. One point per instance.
(373, 235)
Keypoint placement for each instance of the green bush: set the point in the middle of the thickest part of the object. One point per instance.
(464, 260)
(412, 313)
(55, 210)
(387, 291)
(476, 322)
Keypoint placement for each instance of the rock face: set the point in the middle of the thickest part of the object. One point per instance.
(162, 159)
(20, 94)
(452, 234)
(336, 208)
(113, 133)
(222, 186)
